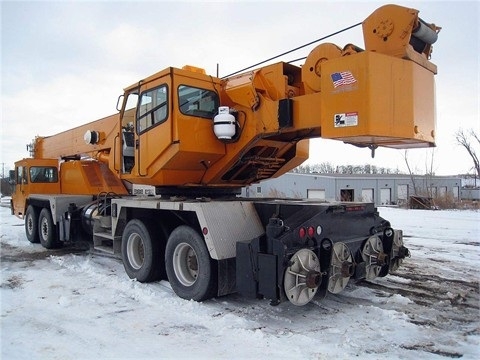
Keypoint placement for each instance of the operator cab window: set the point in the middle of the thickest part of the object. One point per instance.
(130, 111)
(43, 174)
(197, 102)
(152, 108)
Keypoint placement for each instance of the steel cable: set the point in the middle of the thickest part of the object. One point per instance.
(290, 51)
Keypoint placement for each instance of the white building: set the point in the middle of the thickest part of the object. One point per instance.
(380, 189)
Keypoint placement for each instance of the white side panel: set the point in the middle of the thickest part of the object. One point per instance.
(228, 222)
(59, 203)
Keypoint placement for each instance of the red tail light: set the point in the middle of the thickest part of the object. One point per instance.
(302, 232)
(310, 231)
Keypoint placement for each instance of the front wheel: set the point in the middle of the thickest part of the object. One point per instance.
(191, 272)
(141, 251)
(47, 230)
(31, 224)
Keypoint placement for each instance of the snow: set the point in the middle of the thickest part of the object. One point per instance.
(74, 304)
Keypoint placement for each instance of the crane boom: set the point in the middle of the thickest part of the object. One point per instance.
(79, 141)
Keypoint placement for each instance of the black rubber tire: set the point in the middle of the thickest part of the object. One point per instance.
(142, 253)
(47, 231)
(183, 243)
(31, 224)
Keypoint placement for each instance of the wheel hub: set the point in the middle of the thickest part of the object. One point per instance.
(185, 264)
(135, 251)
(374, 257)
(341, 269)
(302, 278)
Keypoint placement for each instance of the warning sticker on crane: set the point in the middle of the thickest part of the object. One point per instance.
(346, 119)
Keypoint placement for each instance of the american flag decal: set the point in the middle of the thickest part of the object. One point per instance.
(343, 78)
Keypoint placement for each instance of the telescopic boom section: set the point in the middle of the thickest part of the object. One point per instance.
(189, 130)
(95, 140)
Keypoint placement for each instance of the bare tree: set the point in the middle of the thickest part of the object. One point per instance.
(470, 140)
(412, 177)
(430, 173)
(328, 168)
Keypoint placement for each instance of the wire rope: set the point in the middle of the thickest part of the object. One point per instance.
(293, 50)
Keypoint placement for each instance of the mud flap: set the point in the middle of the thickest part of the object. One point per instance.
(246, 265)
(267, 277)
(258, 273)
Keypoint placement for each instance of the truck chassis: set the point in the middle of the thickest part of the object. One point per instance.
(262, 248)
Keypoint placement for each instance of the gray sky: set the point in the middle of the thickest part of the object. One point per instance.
(65, 63)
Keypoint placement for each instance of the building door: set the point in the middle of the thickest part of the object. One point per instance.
(442, 191)
(455, 191)
(385, 196)
(346, 195)
(402, 194)
(316, 194)
(367, 195)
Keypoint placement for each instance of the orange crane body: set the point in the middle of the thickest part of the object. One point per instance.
(198, 138)
(380, 96)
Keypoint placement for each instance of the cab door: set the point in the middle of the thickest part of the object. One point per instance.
(153, 126)
(21, 189)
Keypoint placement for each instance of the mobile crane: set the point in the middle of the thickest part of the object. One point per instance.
(198, 139)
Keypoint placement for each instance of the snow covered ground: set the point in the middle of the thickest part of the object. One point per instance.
(72, 304)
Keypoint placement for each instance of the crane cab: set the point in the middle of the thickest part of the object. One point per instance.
(167, 128)
(33, 176)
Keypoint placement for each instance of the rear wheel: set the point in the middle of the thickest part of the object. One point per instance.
(31, 224)
(141, 251)
(191, 272)
(47, 230)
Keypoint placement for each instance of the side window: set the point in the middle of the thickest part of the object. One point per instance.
(197, 102)
(41, 174)
(152, 108)
(21, 175)
(129, 113)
